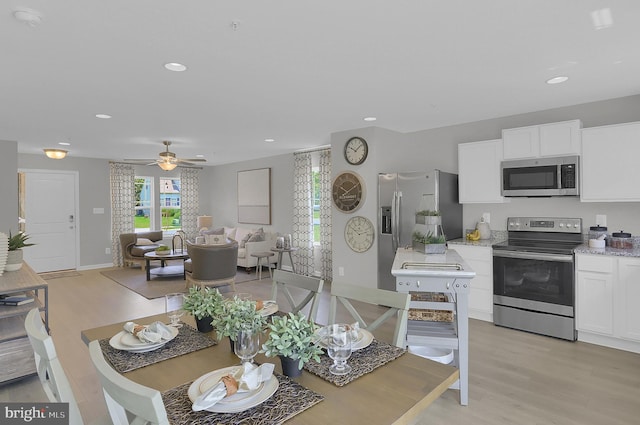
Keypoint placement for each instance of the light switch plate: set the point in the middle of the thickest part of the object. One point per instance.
(487, 217)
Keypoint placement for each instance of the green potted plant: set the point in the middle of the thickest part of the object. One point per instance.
(163, 250)
(14, 257)
(237, 314)
(291, 338)
(428, 243)
(202, 304)
(428, 217)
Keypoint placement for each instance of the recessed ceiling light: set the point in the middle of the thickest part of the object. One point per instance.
(103, 116)
(200, 156)
(175, 66)
(269, 140)
(602, 18)
(28, 16)
(370, 118)
(557, 80)
(64, 143)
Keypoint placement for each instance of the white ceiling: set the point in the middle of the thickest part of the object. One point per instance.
(294, 70)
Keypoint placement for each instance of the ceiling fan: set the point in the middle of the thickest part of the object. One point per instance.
(168, 160)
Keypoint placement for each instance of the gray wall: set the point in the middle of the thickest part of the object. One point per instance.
(9, 187)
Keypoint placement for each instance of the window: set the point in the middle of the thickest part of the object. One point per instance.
(144, 216)
(146, 200)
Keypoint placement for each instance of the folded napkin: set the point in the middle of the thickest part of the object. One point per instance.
(154, 333)
(248, 378)
(354, 331)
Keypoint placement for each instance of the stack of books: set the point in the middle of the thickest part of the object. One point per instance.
(15, 300)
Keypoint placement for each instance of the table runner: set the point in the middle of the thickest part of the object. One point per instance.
(361, 361)
(188, 340)
(289, 399)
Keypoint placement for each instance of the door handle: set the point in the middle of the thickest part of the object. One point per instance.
(71, 218)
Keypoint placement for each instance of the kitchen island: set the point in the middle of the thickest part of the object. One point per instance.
(447, 274)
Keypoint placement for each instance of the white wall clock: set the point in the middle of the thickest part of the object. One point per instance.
(356, 150)
(359, 233)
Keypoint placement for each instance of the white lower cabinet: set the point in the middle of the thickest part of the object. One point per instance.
(607, 296)
(480, 258)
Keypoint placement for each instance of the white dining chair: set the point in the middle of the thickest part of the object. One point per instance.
(52, 376)
(397, 305)
(128, 402)
(311, 286)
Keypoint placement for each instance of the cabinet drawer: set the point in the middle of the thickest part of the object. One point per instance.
(594, 263)
(17, 359)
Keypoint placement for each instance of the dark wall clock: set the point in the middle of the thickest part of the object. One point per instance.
(348, 191)
(356, 150)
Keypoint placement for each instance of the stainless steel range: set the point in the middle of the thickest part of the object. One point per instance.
(533, 276)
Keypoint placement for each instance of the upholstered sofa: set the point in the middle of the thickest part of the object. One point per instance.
(250, 241)
(135, 245)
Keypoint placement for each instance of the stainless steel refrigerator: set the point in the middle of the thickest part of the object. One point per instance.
(400, 196)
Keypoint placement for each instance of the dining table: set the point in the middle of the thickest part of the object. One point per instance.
(393, 393)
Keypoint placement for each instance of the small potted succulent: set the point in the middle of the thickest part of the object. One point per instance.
(429, 243)
(202, 304)
(428, 217)
(236, 314)
(14, 257)
(291, 337)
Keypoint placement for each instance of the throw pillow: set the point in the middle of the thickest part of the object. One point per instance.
(216, 239)
(241, 233)
(257, 236)
(143, 242)
(244, 240)
(218, 231)
(230, 232)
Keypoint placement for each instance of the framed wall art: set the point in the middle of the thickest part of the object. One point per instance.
(254, 196)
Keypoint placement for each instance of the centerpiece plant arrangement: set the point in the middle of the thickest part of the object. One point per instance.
(292, 337)
(203, 303)
(237, 314)
(429, 243)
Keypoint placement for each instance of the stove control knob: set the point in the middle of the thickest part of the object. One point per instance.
(576, 225)
(561, 225)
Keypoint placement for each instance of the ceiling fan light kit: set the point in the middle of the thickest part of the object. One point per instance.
(55, 153)
(168, 160)
(167, 165)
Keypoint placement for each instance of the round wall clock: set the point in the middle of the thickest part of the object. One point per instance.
(356, 150)
(348, 192)
(359, 233)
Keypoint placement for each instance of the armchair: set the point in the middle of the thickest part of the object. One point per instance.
(134, 254)
(212, 265)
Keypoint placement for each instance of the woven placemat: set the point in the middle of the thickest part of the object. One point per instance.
(361, 361)
(289, 399)
(188, 340)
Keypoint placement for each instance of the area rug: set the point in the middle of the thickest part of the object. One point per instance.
(57, 275)
(136, 280)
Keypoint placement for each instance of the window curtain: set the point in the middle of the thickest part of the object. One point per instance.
(123, 198)
(303, 213)
(189, 206)
(326, 262)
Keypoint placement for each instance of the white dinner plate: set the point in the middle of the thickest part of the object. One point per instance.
(116, 342)
(241, 396)
(270, 307)
(363, 341)
(242, 403)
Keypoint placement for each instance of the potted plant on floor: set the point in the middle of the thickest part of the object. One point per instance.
(237, 314)
(202, 304)
(14, 257)
(291, 338)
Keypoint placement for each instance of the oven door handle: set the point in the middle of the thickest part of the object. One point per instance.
(534, 256)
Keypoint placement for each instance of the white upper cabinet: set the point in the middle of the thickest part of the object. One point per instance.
(609, 162)
(479, 172)
(554, 139)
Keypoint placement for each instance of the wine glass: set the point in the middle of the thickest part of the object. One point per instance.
(173, 305)
(247, 345)
(338, 343)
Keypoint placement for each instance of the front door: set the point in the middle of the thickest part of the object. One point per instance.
(50, 213)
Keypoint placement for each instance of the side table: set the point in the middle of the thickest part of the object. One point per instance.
(260, 256)
(288, 250)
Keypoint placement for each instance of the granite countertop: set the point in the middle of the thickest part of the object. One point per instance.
(616, 252)
(449, 257)
(497, 236)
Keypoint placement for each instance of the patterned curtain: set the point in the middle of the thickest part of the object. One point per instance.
(326, 265)
(303, 213)
(123, 197)
(189, 206)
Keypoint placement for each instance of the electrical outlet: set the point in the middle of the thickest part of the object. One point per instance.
(340, 271)
(487, 217)
(601, 220)
(107, 250)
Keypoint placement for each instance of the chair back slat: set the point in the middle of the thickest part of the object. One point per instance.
(313, 287)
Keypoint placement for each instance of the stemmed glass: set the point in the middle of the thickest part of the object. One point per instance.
(247, 345)
(173, 305)
(338, 343)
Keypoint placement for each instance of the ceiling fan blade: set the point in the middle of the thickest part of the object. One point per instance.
(142, 161)
(191, 160)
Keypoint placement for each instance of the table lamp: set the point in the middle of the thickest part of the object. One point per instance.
(205, 222)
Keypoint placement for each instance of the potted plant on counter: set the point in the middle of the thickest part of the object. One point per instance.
(237, 314)
(429, 243)
(428, 217)
(14, 257)
(202, 304)
(291, 337)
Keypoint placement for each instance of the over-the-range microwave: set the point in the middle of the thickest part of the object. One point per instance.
(556, 176)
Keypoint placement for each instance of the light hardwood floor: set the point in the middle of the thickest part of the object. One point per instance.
(515, 377)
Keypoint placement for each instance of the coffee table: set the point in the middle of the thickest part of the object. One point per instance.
(165, 270)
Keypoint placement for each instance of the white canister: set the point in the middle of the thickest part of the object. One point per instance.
(484, 229)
